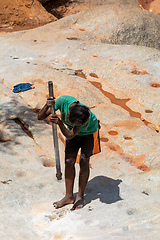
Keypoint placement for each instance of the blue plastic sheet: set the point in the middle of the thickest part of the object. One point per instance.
(21, 87)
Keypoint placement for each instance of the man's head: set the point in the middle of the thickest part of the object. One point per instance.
(78, 114)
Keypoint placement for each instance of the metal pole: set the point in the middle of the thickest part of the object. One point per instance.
(55, 138)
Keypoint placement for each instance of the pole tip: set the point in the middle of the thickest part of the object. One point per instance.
(50, 82)
(59, 176)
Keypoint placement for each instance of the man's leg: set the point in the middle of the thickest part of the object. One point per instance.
(83, 179)
(70, 160)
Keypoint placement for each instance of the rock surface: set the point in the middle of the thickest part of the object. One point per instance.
(117, 24)
(121, 85)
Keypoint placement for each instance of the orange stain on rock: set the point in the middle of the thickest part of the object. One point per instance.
(40, 81)
(127, 138)
(93, 75)
(128, 124)
(58, 237)
(104, 139)
(113, 133)
(80, 73)
(128, 143)
(120, 102)
(137, 71)
(82, 29)
(115, 167)
(136, 161)
(148, 111)
(155, 85)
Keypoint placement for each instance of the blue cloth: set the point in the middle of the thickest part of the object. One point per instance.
(21, 87)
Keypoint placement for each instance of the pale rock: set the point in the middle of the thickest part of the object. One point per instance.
(115, 81)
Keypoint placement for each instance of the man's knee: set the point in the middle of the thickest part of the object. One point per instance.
(84, 162)
(70, 161)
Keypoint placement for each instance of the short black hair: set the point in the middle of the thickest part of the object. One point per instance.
(78, 114)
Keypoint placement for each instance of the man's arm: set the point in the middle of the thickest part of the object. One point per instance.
(46, 111)
(69, 134)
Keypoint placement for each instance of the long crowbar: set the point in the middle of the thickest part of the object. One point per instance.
(55, 138)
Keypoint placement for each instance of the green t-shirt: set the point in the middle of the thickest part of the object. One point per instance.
(62, 103)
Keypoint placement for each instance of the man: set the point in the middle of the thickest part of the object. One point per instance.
(81, 129)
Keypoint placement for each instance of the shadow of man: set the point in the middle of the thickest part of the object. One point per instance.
(104, 188)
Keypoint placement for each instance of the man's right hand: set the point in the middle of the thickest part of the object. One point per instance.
(50, 101)
(54, 119)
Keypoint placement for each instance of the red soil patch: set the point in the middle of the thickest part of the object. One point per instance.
(23, 14)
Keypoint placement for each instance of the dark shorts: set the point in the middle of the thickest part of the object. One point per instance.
(89, 144)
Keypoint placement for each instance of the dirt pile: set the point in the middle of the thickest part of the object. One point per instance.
(62, 8)
(19, 14)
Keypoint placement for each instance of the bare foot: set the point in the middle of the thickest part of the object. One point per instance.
(78, 204)
(64, 201)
